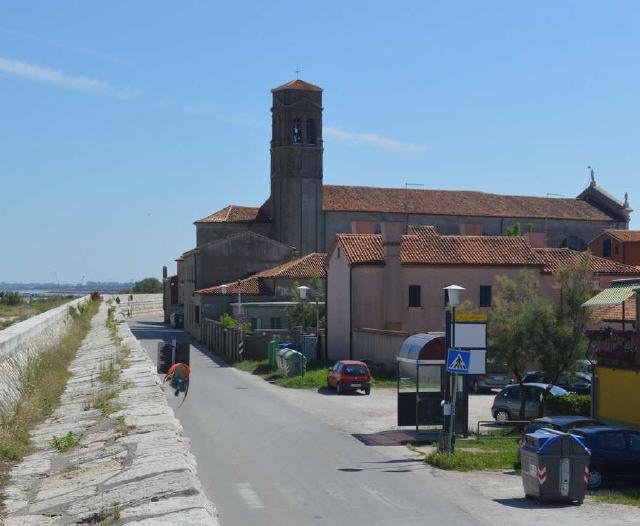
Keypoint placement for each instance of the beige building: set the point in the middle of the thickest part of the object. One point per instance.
(383, 287)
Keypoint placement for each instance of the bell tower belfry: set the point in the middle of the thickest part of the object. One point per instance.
(296, 166)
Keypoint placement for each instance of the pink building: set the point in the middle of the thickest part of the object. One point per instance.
(383, 287)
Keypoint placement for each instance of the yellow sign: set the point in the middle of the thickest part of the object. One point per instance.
(471, 317)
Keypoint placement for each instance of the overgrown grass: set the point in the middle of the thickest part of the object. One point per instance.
(103, 402)
(477, 455)
(629, 496)
(122, 427)
(64, 443)
(109, 373)
(10, 314)
(42, 383)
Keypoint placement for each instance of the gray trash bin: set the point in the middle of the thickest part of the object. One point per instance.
(555, 466)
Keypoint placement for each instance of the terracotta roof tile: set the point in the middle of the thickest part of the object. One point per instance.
(298, 84)
(552, 258)
(625, 235)
(233, 214)
(307, 267)
(456, 202)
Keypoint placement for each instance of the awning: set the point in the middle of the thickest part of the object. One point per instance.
(412, 348)
(619, 291)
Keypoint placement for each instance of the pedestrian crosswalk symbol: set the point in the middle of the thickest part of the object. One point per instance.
(458, 364)
(458, 361)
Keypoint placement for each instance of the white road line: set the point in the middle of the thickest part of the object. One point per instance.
(249, 495)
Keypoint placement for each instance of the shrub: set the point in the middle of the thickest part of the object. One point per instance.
(571, 404)
(10, 297)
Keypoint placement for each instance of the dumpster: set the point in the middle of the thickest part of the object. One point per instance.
(290, 362)
(555, 466)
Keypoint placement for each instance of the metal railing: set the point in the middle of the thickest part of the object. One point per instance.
(511, 423)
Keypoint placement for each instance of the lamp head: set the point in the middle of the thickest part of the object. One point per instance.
(302, 290)
(454, 294)
(224, 289)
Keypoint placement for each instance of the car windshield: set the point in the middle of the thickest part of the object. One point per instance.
(355, 370)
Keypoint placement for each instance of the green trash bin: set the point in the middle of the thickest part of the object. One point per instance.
(271, 353)
(290, 362)
(555, 466)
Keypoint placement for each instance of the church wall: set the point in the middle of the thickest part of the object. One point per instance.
(338, 306)
(207, 232)
(557, 230)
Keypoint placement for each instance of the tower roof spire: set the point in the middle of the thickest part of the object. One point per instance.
(298, 84)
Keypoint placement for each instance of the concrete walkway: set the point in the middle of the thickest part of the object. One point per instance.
(132, 464)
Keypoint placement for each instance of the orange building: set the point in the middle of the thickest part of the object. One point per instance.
(622, 246)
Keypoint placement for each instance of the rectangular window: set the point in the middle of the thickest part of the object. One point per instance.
(606, 248)
(276, 323)
(414, 296)
(485, 295)
(196, 314)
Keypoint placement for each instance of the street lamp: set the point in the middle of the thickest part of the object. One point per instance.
(453, 299)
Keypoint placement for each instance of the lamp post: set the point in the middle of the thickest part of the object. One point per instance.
(453, 293)
(302, 291)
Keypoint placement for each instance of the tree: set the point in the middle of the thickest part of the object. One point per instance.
(509, 322)
(308, 306)
(147, 286)
(514, 231)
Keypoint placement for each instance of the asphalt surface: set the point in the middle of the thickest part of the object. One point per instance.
(265, 460)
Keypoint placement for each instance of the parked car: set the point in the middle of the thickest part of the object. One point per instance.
(559, 423)
(497, 377)
(579, 383)
(615, 454)
(506, 404)
(349, 375)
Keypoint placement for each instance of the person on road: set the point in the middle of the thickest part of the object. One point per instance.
(178, 378)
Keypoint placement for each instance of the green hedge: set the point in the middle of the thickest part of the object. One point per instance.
(571, 404)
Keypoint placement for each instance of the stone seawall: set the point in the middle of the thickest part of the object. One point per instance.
(130, 463)
(19, 343)
(136, 304)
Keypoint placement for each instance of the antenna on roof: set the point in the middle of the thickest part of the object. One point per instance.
(592, 172)
(297, 72)
(549, 194)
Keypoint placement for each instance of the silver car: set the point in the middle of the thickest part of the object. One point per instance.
(506, 404)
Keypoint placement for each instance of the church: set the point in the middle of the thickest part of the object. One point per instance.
(303, 215)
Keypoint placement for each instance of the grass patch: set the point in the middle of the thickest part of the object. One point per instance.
(259, 367)
(122, 427)
(42, 383)
(103, 402)
(109, 373)
(477, 455)
(629, 496)
(64, 443)
(10, 314)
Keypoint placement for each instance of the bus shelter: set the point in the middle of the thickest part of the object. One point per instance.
(421, 379)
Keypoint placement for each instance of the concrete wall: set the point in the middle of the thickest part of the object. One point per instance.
(618, 395)
(22, 342)
(137, 305)
(557, 230)
(338, 306)
(378, 347)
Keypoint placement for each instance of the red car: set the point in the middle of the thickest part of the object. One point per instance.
(349, 375)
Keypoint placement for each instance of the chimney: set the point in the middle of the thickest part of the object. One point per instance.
(392, 289)
(164, 273)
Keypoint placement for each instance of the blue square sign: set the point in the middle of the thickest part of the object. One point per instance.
(458, 361)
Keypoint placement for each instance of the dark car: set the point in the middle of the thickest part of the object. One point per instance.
(559, 423)
(506, 404)
(496, 377)
(349, 375)
(579, 383)
(615, 454)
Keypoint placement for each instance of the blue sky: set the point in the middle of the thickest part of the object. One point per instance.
(123, 122)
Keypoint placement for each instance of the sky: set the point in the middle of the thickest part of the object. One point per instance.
(123, 122)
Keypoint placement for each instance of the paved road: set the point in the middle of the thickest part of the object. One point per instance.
(265, 461)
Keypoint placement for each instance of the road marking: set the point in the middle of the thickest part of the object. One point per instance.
(249, 495)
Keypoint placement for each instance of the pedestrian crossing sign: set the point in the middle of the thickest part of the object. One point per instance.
(458, 361)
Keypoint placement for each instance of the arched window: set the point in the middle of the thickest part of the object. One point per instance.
(311, 131)
(296, 131)
(574, 243)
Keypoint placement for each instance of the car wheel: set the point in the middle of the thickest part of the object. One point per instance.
(502, 415)
(338, 388)
(367, 390)
(595, 480)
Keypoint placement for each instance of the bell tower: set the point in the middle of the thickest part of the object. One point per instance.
(296, 166)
